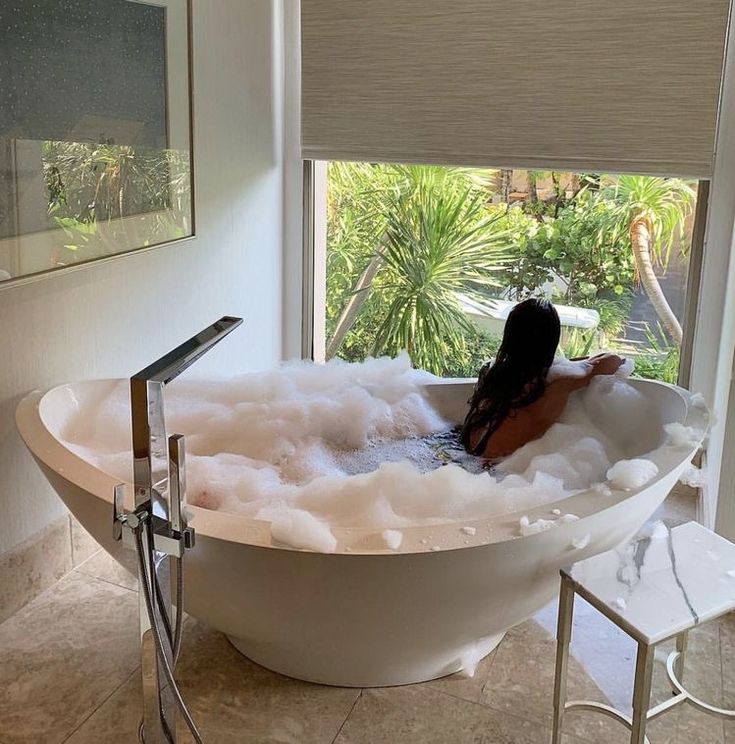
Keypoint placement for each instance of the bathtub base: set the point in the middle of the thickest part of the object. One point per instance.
(465, 660)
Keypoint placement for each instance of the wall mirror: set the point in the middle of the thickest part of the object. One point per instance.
(95, 131)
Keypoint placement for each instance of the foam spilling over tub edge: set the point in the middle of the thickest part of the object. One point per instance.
(262, 445)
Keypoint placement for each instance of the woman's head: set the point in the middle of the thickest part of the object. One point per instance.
(518, 375)
(531, 336)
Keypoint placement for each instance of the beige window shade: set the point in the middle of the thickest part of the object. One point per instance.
(586, 85)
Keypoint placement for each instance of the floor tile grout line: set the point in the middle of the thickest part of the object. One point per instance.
(532, 721)
(458, 697)
(430, 684)
(342, 725)
(40, 594)
(535, 721)
(455, 697)
(88, 558)
(104, 702)
(65, 575)
(73, 567)
(106, 581)
(47, 589)
(490, 666)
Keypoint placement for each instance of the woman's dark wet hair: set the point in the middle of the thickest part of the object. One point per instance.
(517, 377)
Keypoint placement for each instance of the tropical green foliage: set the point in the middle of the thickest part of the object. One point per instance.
(652, 213)
(654, 365)
(580, 252)
(431, 237)
(478, 346)
(655, 357)
(664, 202)
(90, 185)
(579, 245)
(404, 241)
(438, 242)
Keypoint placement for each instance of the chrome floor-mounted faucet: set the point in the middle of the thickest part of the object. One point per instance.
(157, 529)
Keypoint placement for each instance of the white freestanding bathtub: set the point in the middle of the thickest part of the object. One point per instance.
(371, 616)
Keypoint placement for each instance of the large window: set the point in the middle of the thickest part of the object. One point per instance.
(432, 259)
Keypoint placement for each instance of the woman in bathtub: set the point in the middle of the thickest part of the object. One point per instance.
(513, 401)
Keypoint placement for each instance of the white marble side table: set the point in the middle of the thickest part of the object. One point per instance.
(654, 588)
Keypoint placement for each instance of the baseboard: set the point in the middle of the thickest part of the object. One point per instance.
(40, 561)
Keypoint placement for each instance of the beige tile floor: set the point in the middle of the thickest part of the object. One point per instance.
(69, 673)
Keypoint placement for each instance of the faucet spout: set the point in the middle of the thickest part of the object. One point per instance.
(172, 364)
(150, 446)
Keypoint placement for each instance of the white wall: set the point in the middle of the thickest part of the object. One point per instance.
(295, 314)
(714, 338)
(111, 319)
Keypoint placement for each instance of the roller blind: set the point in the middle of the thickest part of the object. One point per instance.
(580, 85)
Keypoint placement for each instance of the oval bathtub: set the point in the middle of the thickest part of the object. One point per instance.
(369, 617)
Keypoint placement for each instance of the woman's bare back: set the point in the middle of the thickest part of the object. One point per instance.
(532, 421)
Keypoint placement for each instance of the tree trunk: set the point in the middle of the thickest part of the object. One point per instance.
(575, 184)
(351, 310)
(506, 177)
(531, 178)
(559, 193)
(640, 238)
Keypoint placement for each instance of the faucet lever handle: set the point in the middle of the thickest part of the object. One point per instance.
(177, 481)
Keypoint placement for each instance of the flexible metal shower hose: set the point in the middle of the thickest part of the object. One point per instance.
(150, 588)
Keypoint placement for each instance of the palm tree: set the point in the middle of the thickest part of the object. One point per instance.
(432, 237)
(651, 213)
(439, 243)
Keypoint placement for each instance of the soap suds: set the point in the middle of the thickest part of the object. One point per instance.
(272, 446)
(393, 538)
(541, 525)
(683, 436)
(565, 368)
(660, 531)
(630, 474)
(697, 400)
(475, 654)
(299, 528)
(602, 488)
(693, 477)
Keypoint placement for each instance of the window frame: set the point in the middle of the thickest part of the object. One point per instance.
(314, 265)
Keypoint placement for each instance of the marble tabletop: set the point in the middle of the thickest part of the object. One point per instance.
(663, 583)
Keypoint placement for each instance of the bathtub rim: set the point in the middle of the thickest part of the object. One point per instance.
(51, 451)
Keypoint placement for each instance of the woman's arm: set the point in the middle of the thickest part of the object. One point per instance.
(534, 420)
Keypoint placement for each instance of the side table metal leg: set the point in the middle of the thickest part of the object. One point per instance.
(682, 641)
(563, 636)
(642, 692)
